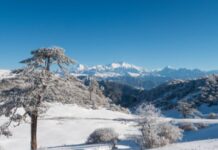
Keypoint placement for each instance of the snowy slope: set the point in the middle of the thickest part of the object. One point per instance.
(196, 145)
(67, 125)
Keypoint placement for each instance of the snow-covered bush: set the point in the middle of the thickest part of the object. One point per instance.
(148, 110)
(188, 127)
(201, 125)
(103, 135)
(170, 132)
(5, 131)
(155, 133)
(212, 116)
(187, 110)
(115, 107)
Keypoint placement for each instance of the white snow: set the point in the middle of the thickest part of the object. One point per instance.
(107, 74)
(134, 74)
(67, 126)
(81, 67)
(196, 145)
(5, 74)
(125, 65)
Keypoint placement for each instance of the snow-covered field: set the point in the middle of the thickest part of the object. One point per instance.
(196, 145)
(66, 127)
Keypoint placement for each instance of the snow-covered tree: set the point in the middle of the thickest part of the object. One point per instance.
(148, 110)
(93, 87)
(187, 109)
(32, 86)
(154, 132)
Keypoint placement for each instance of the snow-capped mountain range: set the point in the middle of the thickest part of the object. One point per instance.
(110, 70)
(138, 77)
(119, 69)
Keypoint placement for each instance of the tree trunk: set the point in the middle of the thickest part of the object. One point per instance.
(34, 117)
(90, 95)
(48, 64)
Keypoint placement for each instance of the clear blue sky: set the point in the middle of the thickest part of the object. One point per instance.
(149, 33)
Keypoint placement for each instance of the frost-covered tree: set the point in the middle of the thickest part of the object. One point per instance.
(187, 109)
(32, 86)
(148, 110)
(93, 87)
(154, 132)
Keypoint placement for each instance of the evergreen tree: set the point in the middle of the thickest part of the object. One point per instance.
(31, 87)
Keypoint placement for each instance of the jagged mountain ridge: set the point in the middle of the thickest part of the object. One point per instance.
(110, 70)
(123, 69)
(138, 77)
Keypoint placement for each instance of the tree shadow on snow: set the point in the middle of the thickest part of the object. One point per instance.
(122, 145)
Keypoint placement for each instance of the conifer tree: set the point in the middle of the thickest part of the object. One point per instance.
(31, 87)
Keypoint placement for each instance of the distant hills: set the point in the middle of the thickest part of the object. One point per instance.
(201, 94)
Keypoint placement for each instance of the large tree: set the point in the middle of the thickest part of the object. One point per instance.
(32, 86)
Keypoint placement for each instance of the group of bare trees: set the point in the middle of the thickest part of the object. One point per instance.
(29, 89)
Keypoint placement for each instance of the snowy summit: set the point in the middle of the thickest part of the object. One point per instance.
(111, 70)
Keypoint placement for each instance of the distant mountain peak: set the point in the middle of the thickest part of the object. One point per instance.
(126, 65)
(114, 69)
(169, 67)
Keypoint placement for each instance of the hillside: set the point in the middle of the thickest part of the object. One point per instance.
(201, 94)
(77, 92)
(121, 94)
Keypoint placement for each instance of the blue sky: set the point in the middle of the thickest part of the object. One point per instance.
(149, 33)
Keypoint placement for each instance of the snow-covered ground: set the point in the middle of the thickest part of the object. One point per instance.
(196, 145)
(5, 74)
(66, 127)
